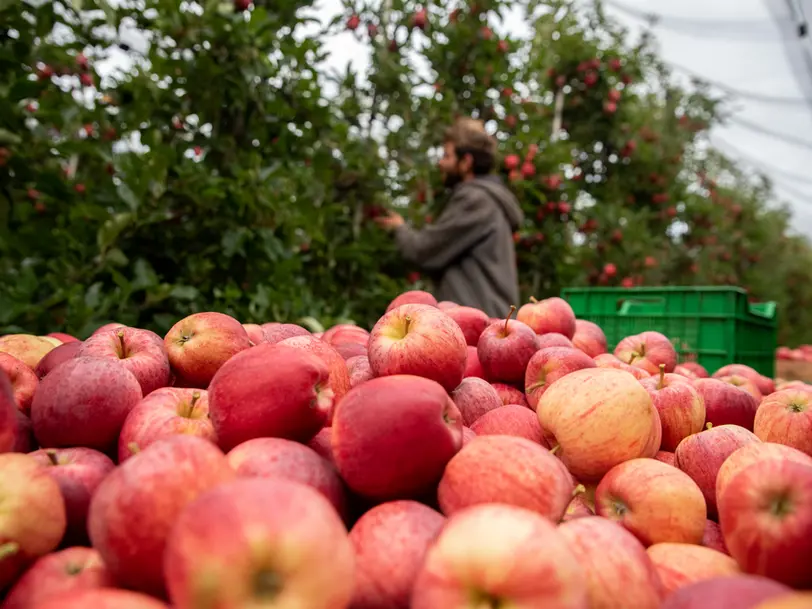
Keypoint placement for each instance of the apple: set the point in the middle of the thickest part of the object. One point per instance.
(548, 365)
(108, 328)
(726, 404)
(554, 339)
(103, 598)
(59, 354)
(506, 469)
(255, 333)
(78, 472)
(797, 600)
(666, 457)
(23, 381)
(418, 340)
(27, 348)
(137, 351)
(505, 348)
(468, 434)
(275, 332)
(412, 297)
(471, 321)
(346, 333)
(472, 366)
(702, 455)
(681, 408)
(511, 420)
(686, 372)
(83, 402)
(322, 444)
(32, 519)
(621, 578)
(654, 501)
(350, 350)
(579, 507)
(549, 315)
(200, 344)
(737, 370)
(474, 397)
(755, 452)
(393, 436)
(497, 555)
(607, 360)
(785, 417)
(597, 418)
(55, 575)
(510, 395)
(277, 458)
(589, 338)
(647, 351)
(165, 412)
(742, 383)
(712, 537)
(137, 504)
(738, 591)
(62, 337)
(696, 369)
(765, 512)
(444, 305)
(359, 370)
(682, 564)
(339, 377)
(275, 391)
(278, 543)
(390, 543)
(24, 441)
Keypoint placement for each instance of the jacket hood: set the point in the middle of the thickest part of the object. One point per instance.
(496, 189)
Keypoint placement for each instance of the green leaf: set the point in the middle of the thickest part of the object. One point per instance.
(7, 137)
(111, 229)
(145, 276)
(184, 292)
(128, 196)
(311, 323)
(93, 295)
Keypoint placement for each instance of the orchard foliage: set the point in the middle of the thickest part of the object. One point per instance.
(222, 167)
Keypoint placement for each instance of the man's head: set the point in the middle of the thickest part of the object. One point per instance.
(468, 152)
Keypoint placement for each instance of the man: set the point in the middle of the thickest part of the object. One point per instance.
(469, 250)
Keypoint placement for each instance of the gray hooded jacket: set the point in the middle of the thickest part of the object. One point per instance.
(469, 250)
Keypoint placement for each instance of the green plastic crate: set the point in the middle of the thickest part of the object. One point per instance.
(712, 325)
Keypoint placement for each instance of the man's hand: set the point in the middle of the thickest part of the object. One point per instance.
(391, 221)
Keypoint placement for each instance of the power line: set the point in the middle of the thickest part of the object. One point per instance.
(789, 139)
(764, 167)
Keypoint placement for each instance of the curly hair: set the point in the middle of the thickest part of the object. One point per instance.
(468, 136)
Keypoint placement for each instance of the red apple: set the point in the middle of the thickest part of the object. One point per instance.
(607, 360)
(32, 518)
(621, 578)
(466, 566)
(277, 541)
(654, 501)
(701, 456)
(712, 537)
(55, 575)
(682, 564)
(346, 333)
(23, 381)
(471, 321)
(797, 600)
(785, 417)
(60, 354)
(579, 507)
(666, 457)
(413, 297)
(550, 315)
(83, 402)
(737, 370)
(27, 348)
(270, 391)
(390, 543)
(686, 372)
(108, 327)
(137, 351)
(200, 344)
(63, 338)
(359, 370)
(511, 420)
(599, 418)
(505, 348)
(696, 368)
(468, 434)
(589, 338)
(350, 350)
(444, 305)
(165, 412)
(510, 395)
(726, 404)
(474, 397)
(284, 459)
(137, 504)
(647, 351)
(106, 598)
(554, 340)
(419, 340)
(739, 591)
(472, 366)
(548, 365)
(275, 333)
(681, 408)
(78, 472)
(394, 435)
(506, 469)
(255, 333)
(742, 383)
(24, 441)
(765, 513)
(322, 444)
(339, 379)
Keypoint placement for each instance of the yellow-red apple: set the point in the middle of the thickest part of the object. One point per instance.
(681, 408)
(549, 315)
(682, 564)
(785, 417)
(550, 364)
(647, 351)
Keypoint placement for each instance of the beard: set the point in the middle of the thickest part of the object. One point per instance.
(452, 178)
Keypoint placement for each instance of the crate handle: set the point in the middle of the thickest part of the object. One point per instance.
(625, 306)
(762, 309)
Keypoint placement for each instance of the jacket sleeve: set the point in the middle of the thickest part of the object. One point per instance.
(464, 223)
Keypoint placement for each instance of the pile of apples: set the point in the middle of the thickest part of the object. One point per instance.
(444, 460)
(801, 354)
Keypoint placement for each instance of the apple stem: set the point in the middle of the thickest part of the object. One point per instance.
(120, 335)
(9, 549)
(578, 490)
(195, 398)
(408, 323)
(555, 449)
(662, 377)
(632, 357)
(534, 386)
(534, 300)
(509, 315)
(52, 457)
(709, 425)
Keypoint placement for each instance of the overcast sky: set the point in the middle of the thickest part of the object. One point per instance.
(745, 45)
